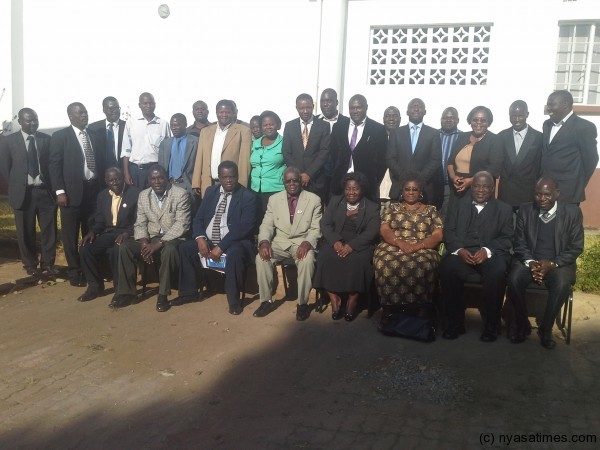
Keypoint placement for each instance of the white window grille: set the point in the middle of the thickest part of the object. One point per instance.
(454, 55)
(578, 61)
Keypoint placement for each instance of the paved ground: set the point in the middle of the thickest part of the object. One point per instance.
(79, 375)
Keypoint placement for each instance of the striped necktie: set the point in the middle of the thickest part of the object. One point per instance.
(216, 228)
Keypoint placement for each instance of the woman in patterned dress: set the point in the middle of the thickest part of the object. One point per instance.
(407, 259)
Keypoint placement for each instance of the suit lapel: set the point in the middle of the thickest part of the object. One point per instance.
(405, 137)
(299, 213)
(525, 146)
(188, 152)
(510, 147)
(233, 130)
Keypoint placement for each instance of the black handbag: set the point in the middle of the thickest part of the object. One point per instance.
(406, 325)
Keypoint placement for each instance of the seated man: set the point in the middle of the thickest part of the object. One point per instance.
(112, 224)
(548, 240)
(224, 224)
(297, 238)
(478, 237)
(163, 221)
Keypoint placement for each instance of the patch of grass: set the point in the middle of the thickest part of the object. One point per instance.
(8, 229)
(588, 266)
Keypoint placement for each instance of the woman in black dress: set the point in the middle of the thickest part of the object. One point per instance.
(350, 227)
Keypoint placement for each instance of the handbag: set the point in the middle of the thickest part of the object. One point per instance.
(406, 325)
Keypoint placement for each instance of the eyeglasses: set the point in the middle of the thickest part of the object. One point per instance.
(291, 180)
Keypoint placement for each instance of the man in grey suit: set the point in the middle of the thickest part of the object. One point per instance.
(570, 152)
(290, 229)
(163, 221)
(24, 165)
(177, 155)
(522, 147)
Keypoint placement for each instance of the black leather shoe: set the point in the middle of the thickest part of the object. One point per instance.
(162, 304)
(32, 271)
(235, 310)
(349, 317)
(546, 340)
(488, 336)
(302, 312)
(337, 315)
(517, 338)
(120, 301)
(78, 282)
(91, 293)
(51, 270)
(264, 309)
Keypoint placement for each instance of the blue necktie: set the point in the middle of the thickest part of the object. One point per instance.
(413, 137)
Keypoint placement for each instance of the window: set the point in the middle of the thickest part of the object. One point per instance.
(578, 61)
(454, 55)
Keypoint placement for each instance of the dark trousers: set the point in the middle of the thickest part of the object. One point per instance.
(558, 282)
(91, 253)
(39, 205)
(453, 273)
(129, 253)
(139, 174)
(75, 219)
(239, 257)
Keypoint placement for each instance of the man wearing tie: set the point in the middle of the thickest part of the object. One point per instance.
(448, 134)
(24, 165)
(570, 152)
(415, 147)
(522, 147)
(110, 132)
(75, 167)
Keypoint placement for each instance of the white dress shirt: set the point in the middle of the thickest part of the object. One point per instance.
(142, 138)
(217, 149)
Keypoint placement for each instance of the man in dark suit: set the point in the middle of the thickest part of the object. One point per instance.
(358, 144)
(548, 239)
(478, 237)
(200, 113)
(522, 148)
(177, 154)
(24, 165)
(224, 224)
(570, 152)
(112, 224)
(415, 147)
(306, 147)
(110, 132)
(76, 164)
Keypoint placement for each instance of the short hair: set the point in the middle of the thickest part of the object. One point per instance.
(270, 114)
(452, 109)
(254, 118)
(108, 99)
(291, 169)
(198, 102)
(359, 177)
(158, 168)
(361, 98)
(145, 94)
(484, 109)
(24, 111)
(564, 95)
(518, 104)
(484, 173)
(329, 91)
(546, 179)
(74, 105)
(180, 117)
(228, 165)
(413, 176)
(227, 103)
(304, 97)
(113, 169)
(396, 110)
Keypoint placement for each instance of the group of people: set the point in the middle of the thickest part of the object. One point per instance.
(351, 200)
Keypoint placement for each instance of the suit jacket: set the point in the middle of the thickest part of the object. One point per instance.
(487, 153)
(425, 160)
(241, 217)
(519, 172)
(368, 221)
(312, 160)
(236, 148)
(571, 157)
(191, 149)
(276, 226)
(110, 160)
(13, 164)
(103, 219)
(67, 162)
(173, 217)
(495, 229)
(568, 233)
(368, 155)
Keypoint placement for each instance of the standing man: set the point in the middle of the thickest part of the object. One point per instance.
(110, 132)
(306, 147)
(141, 141)
(415, 147)
(548, 240)
(448, 135)
(222, 141)
(224, 224)
(163, 221)
(24, 158)
(112, 225)
(177, 154)
(391, 121)
(329, 107)
(478, 236)
(522, 147)
(200, 112)
(290, 229)
(570, 152)
(358, 145)
(76, 164)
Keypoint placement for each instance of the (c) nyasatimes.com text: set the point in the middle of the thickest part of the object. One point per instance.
(487, 439)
